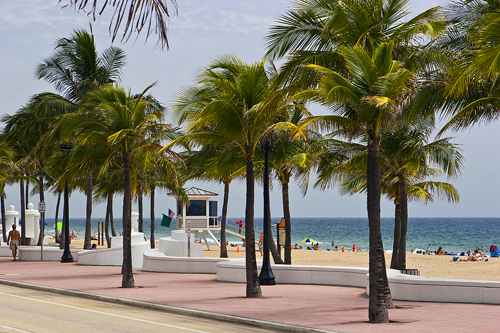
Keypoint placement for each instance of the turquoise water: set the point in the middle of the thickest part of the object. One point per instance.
(453, 234)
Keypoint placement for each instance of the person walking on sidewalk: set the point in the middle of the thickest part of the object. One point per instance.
(14, 238)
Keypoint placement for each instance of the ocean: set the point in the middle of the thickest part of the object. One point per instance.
(453, 234)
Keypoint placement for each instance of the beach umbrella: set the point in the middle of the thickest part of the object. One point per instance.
(308, 240)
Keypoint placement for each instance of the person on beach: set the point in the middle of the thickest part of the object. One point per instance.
(14, 238)
(316, 246)
(440, 251)
(495, 252)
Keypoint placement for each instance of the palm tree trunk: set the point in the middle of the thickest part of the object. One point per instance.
(23, 213)
(288, 226)
(141, 211)
(404, 222)
(127, 277)
(4, 222)
(397, 233)
(377, 308)
(152, 215)
(272, 245)
(108, 208)
(88, 221)
(27, 193)
(59, 191)
(42, 215)
(223, 248)
(111, 218)
(253, 287)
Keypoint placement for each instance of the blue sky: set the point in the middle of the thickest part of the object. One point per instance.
(202, 30)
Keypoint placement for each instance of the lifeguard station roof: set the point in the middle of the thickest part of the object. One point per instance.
(196, 192)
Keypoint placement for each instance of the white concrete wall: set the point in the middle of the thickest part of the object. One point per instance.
(156, 261)
(50, 253)
(112, 256)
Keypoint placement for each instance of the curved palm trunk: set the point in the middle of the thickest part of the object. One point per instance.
(127, 273)
(253, 287)
(404, 222)
(4, 227)
(58, 203)
(377, 309)
(111, 219)
(23, 214)
(223, 248)
(88, 221)
(141, 212)
(288, 226)
(272, 245)
(397, 233)
(152, 215)
(42, 215)
(109, 206)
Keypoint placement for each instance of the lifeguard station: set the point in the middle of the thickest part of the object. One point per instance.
(200, 213)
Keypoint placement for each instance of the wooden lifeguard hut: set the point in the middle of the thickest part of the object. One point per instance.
(201, 213)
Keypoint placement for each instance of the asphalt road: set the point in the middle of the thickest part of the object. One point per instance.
(25, 310)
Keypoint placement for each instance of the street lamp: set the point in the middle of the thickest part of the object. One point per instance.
(66, 257)
(266, 276)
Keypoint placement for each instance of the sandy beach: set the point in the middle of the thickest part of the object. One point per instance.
(429, 265)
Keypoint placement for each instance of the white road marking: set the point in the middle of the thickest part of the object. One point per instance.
(14, 329)
(103, 313)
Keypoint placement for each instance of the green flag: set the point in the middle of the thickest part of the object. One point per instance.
(165, 222)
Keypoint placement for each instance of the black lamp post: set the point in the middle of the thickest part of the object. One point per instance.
(66, 257)
(266, 276)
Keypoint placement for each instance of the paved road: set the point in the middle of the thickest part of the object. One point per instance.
(24, 310)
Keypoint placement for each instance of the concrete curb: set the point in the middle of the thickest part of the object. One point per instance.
(264, 324)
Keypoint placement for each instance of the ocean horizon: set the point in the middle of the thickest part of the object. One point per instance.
(454, 234)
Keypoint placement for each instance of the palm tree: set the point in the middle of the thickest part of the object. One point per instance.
(408, 155)
(233, 102)
(6, 161)
(75, 69)
(313, 31)
(407, 160)
(123, 125)
(287, 160)
(220, 164)
(472, 95)
(365, 101)
(138, 14)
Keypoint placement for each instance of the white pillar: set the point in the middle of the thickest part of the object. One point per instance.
(12, 217)
(32, 224)
(135, 221)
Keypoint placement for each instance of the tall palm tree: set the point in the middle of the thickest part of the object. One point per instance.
(364, 101)
(123, 125)
(74, 70)
(138, 15)
(407, 155)
(288, 160)
(233, 102)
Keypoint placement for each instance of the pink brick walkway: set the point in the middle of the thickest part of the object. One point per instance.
(326, 307)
